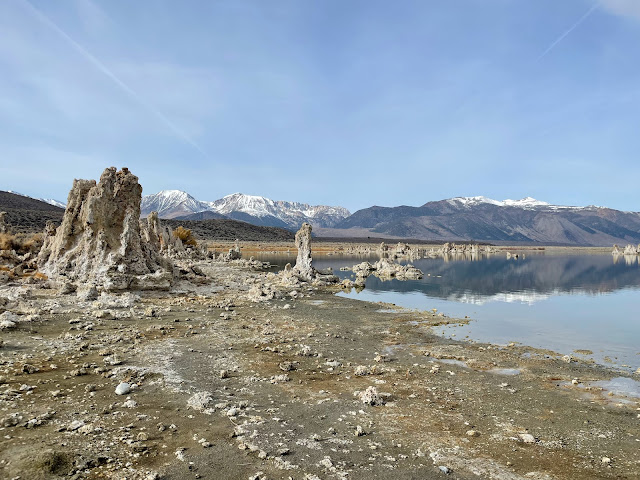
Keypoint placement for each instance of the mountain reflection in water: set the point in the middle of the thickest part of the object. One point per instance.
(528, 279)
(560, 302)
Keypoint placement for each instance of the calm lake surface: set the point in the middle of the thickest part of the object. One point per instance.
(560, 302)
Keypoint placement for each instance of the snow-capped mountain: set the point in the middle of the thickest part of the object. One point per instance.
(291, 214)
(249, 208)
(171, 204)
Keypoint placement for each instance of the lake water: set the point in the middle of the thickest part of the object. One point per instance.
(560, 302)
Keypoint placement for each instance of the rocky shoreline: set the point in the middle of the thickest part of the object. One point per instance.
(225, 387)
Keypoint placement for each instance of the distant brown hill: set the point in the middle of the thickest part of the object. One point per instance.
(14, 201)
(26, 214)
(225, 229)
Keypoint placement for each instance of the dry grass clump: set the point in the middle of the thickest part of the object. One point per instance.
(185, 235)
(21, 243)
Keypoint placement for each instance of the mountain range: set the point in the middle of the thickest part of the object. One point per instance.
(175, 204)
(477, 219)
(480, 219)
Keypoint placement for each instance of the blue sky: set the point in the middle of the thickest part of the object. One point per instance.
(352, 103)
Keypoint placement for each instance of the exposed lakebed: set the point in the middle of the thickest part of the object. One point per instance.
(581, 305)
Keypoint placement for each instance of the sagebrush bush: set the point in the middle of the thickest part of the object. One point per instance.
(6, 241)
(185, 235)
(21, 243)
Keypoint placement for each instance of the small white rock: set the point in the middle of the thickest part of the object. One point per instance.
(200, 401)
(123, 388)
(75, 425)
(371, 397)
(527, 438)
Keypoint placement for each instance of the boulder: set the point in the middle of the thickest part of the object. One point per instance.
(384, 269)
(100, 242)
(363, 269)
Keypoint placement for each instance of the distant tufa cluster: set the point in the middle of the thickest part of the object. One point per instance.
(628, 250)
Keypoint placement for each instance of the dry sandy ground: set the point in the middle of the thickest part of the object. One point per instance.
(227, 388)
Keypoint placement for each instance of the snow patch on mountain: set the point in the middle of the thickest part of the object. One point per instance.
(54, 202)
(527, 202)
(50, 201)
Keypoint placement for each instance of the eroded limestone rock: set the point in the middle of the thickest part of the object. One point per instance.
(233, 254)
(385, 268)
(303, 268)
(100, 242)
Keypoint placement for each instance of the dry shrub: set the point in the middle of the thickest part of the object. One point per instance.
(185, 235)
(21, 243)
(33, 243)
(7, 241)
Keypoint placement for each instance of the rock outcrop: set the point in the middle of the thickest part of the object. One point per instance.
(363, 269)
(234, 253)
(385, 269)
(100, 242)
(163, 241)
(303, 268)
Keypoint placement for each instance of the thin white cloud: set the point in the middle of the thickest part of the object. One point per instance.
(555, 43)
(625, 8)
